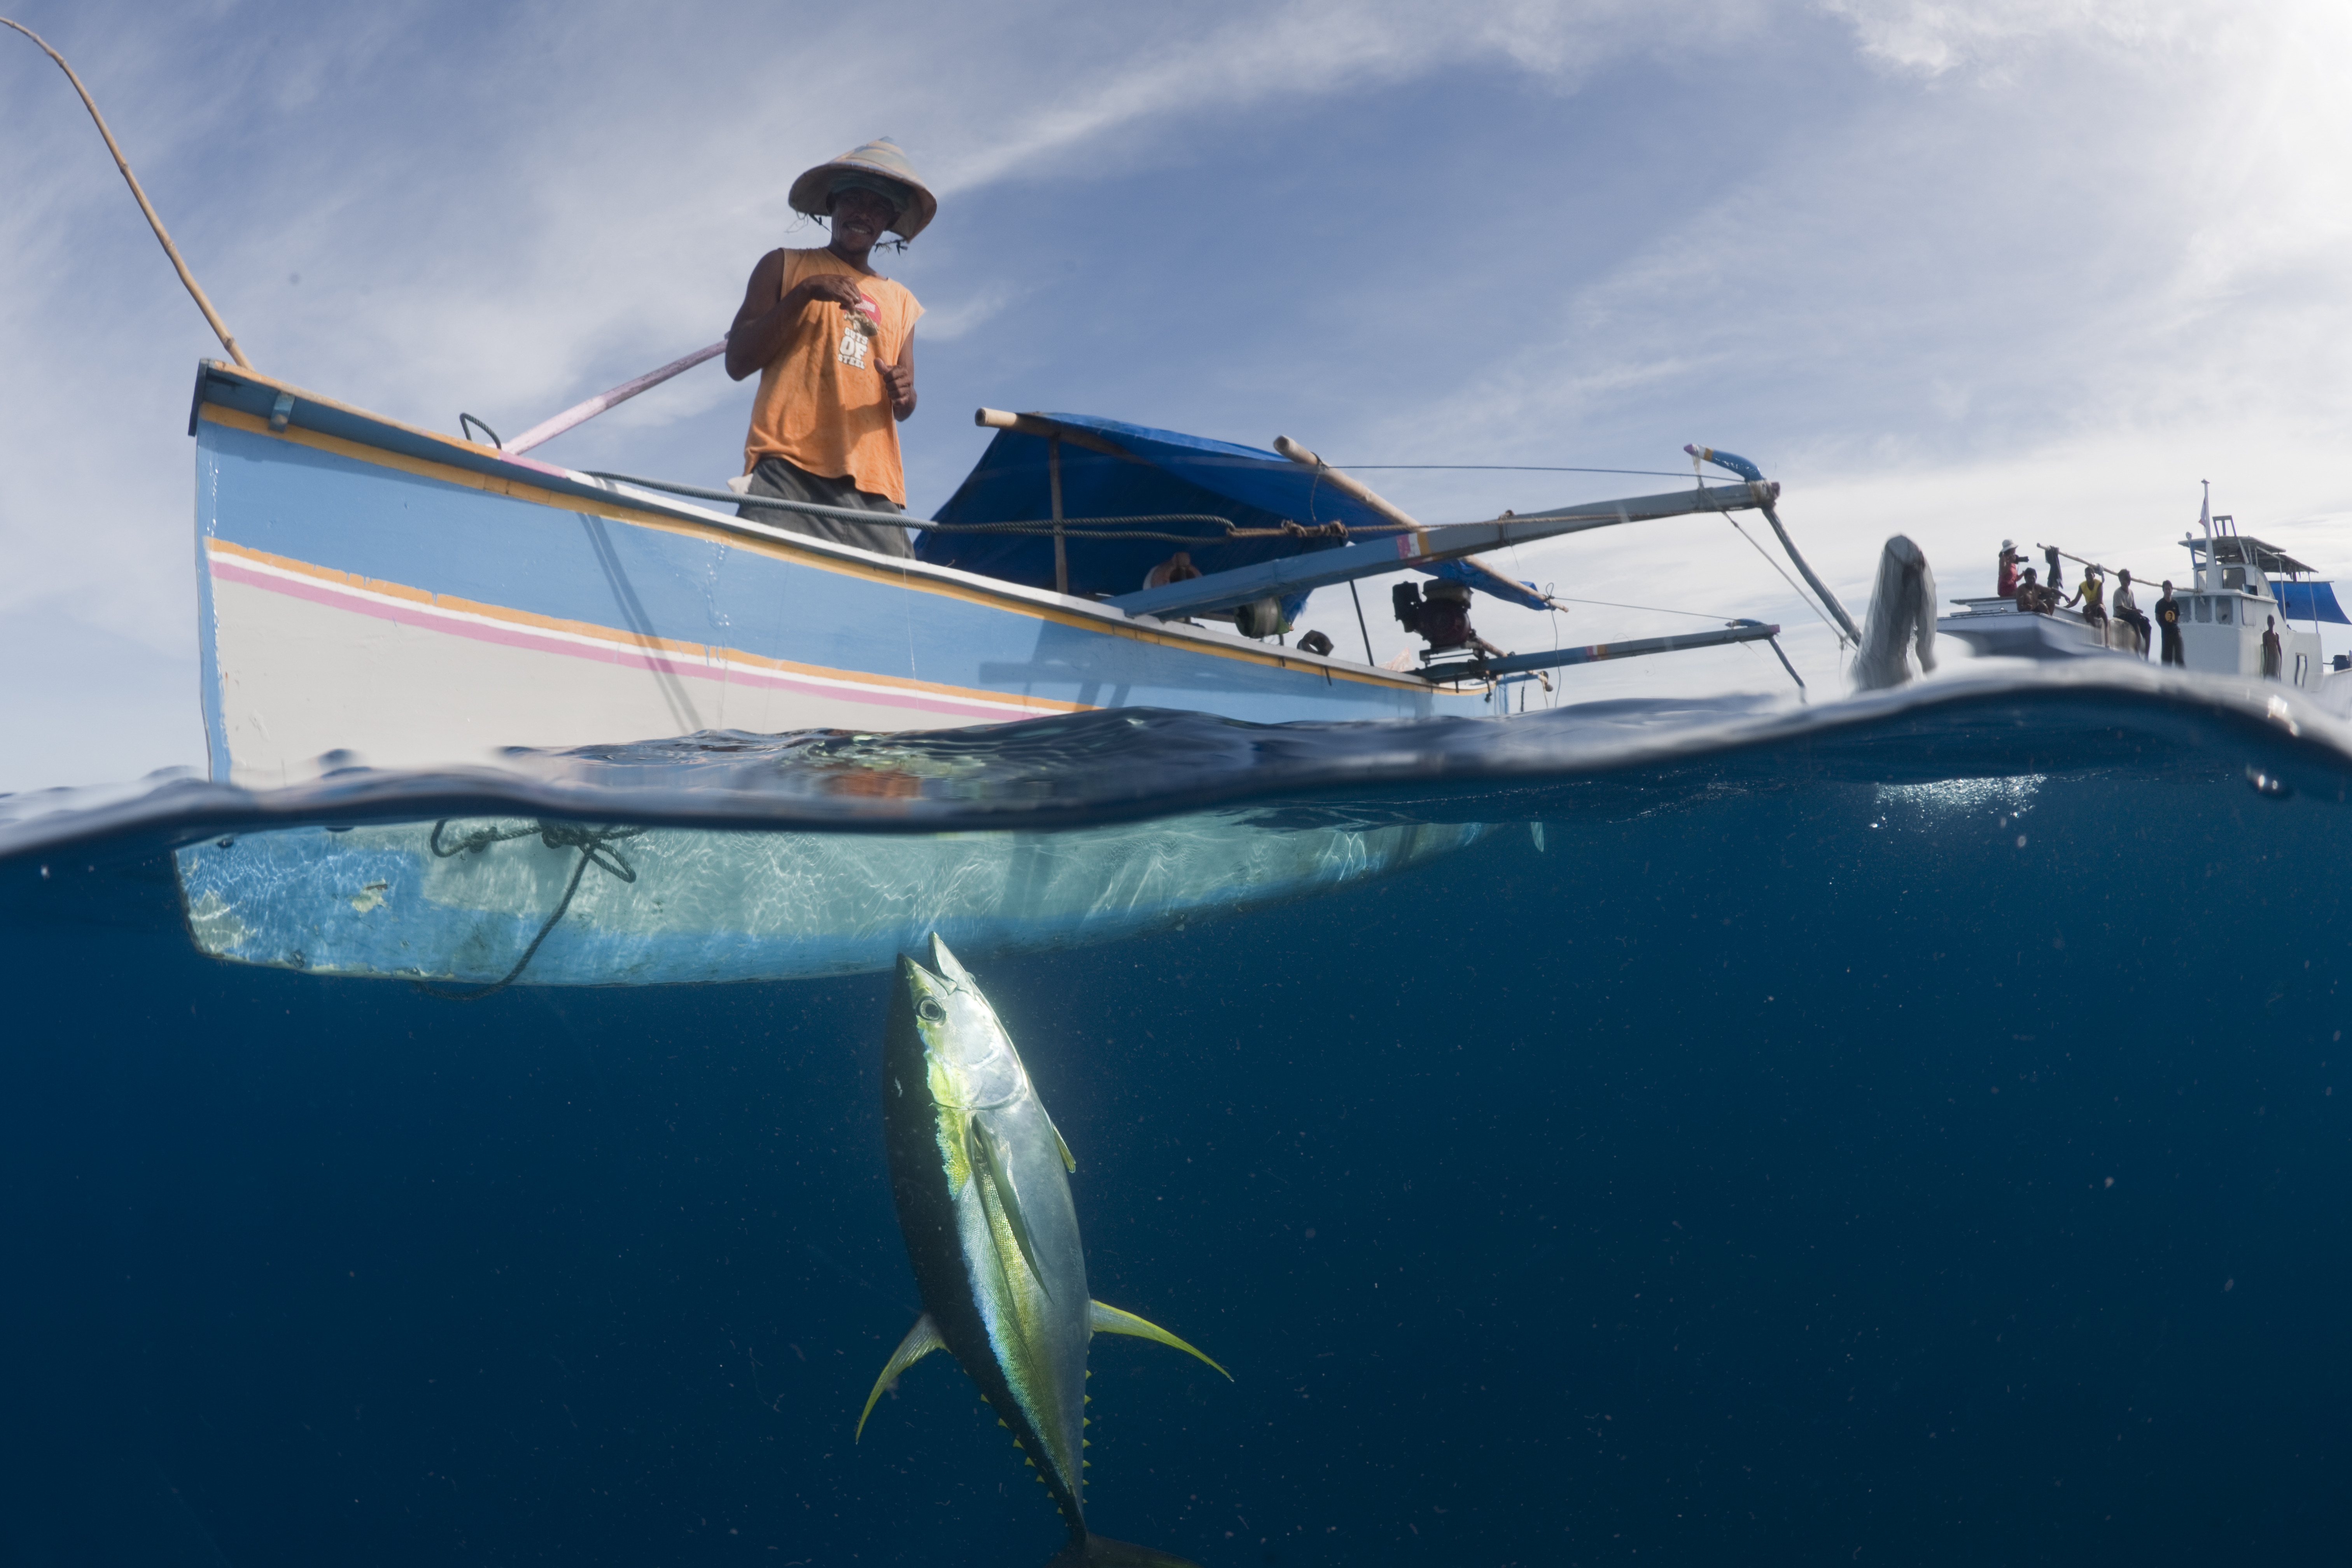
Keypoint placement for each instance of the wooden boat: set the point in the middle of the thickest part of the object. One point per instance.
(406, 598)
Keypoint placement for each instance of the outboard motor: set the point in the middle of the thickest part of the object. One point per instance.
(1441, 619)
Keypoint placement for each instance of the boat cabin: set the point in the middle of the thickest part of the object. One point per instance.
(2237, 586)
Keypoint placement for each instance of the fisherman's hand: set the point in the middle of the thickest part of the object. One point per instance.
(898, 379)
(835, 287)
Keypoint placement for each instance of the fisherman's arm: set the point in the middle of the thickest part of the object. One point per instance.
(899, 379)
(767, 321)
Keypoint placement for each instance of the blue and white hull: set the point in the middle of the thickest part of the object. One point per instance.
(415, 600)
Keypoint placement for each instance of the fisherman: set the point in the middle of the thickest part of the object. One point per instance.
(2005, 585)
(2031, 595)
(1177, 568)
(2092, 598)
(2272, 657)
(2167, 621)
(833, 342)
(2127, 612)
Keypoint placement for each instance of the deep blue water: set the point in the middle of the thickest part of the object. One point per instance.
(1776, 1166)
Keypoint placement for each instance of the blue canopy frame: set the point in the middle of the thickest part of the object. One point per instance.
(1112, 469)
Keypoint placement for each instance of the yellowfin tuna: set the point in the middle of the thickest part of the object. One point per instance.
(982, 1180)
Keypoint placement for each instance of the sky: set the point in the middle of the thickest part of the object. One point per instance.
(1961, 270)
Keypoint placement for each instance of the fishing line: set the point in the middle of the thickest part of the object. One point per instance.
(1655, 610)
(1801, 594)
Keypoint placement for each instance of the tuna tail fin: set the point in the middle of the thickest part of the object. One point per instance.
(1102, 1551)
(1102, 1319)
(920, 1340)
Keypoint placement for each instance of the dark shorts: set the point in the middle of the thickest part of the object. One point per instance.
(789, 482)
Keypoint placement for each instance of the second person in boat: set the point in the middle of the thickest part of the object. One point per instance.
(832, 342)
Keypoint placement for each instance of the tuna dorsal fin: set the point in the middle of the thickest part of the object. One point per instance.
(1102, 1319)
(920, 1340)
(988, 1155)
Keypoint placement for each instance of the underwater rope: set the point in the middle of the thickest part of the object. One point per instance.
(594, 844)
(220, 328)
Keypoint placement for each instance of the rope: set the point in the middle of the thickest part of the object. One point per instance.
(1508, 468)
(1093, 527)
(220, 328)
(1802, 597)
(1655, 609)
(594, 844)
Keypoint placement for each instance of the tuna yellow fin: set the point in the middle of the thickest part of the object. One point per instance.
(1069, 1161)
(1102, 1319)
(988, 1155)
(920, 1340)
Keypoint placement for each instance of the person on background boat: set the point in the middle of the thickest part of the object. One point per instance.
(2005, 585)
(2033, 598)
(2093, 599)
(1177, 568)
(2272, 657)
(2127, 612)
(2167, 621)
(833, 342)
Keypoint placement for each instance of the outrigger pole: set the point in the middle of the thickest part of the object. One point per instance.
(1427, 546)
(1521, 664)
(1419, 547)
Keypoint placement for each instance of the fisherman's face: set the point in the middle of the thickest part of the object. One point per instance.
(860, 218)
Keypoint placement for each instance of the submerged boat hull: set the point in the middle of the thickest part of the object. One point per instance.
(419, 600)
(678, 905)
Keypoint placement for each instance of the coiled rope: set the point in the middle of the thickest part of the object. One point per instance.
(595, 847)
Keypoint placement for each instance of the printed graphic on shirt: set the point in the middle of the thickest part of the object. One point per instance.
(863, 323)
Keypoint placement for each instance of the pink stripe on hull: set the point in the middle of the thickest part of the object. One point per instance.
(428, 619)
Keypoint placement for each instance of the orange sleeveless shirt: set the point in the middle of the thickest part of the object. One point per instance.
(822, 403)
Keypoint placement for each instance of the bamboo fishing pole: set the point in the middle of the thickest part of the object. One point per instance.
(2100, 565)
(220, 328)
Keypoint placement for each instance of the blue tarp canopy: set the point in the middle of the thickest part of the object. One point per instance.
(2310, 601)
(1152, 472)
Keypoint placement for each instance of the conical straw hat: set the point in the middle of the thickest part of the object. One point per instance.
(813, 190)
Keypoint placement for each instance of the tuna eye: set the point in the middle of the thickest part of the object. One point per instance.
(930, 1012)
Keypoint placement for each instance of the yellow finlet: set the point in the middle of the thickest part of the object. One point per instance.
(920, 1340)
(1102, 1319)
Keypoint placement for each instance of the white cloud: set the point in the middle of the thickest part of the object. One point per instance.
(1932, 38)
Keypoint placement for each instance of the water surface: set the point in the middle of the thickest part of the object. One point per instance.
(1893, 1132)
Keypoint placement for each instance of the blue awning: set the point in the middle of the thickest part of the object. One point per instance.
(2310, 601)
(1152, 472)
